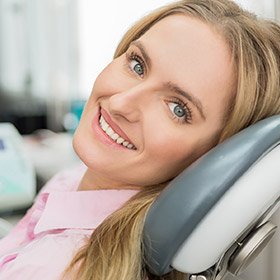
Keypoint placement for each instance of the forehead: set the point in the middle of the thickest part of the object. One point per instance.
(191, 53)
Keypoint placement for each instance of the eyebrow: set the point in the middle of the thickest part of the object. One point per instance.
(171, 86)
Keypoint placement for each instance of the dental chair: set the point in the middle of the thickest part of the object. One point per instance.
(212, 220)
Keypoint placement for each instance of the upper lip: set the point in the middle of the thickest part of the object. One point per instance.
(114, 126)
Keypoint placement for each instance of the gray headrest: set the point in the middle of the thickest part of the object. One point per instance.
(188, 198)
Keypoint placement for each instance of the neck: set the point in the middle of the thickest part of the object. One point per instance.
(93, 181)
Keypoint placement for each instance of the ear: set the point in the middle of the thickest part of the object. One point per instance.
(215, 202)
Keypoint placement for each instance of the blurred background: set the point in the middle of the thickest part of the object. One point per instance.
(51, 51)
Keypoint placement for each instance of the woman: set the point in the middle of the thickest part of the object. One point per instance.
(184, 78)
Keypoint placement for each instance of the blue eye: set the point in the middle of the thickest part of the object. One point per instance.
(137, 67)
(180, 111)
(136, 64)
(177, 109)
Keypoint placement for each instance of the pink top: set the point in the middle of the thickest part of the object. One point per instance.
(44, 242)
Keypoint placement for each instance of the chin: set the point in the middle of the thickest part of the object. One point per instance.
(77, 145)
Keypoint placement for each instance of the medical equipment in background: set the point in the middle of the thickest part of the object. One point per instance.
(17, 175)
(5, 227)
(213, 219)
(72, 118)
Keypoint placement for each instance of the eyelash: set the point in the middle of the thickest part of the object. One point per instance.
(134, 56)
(188, 117)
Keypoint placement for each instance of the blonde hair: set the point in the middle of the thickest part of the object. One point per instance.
(115, 249)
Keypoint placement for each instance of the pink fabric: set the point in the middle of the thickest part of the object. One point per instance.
(43, 243)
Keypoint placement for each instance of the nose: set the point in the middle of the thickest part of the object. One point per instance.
(129, 103)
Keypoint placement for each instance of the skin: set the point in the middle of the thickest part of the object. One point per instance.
(183, 51)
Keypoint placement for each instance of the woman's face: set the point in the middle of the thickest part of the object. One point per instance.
(158, 107)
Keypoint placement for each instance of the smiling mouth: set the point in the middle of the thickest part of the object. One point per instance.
(113, 135)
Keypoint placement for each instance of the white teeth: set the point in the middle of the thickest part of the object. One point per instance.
(105, 126)
(110, 131)
(103, 123)
(120, 140)
(125, 143)
(113, 135)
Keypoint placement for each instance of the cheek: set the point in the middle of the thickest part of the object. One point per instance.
(168, 154)
(165, 164)
(173, 152)
(110, 80)
(104, 83)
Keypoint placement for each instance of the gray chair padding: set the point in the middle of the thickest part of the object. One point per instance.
(190, 196)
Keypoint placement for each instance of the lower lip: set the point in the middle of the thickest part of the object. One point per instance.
(102, 136)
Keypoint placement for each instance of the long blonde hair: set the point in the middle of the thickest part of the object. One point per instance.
(115, 249)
